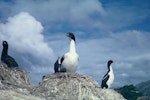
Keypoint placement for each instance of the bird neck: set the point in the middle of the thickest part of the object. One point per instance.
(110, 68)
(4, 51)
(72, 46)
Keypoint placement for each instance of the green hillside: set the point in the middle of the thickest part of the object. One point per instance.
(129, 92)
(144, 87)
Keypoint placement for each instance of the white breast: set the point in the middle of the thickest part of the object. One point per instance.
(111, 77)
(70, 62)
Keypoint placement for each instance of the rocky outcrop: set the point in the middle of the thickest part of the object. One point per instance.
(67, 86)
(15, 85)
(13, 77)
(20, 95)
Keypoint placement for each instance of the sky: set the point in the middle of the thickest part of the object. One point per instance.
(104, 30)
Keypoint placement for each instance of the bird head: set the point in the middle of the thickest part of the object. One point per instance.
(110, 62)
(70, 35)
(5, 43)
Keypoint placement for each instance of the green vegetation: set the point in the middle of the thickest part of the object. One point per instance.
(144, 87)
(129, 92)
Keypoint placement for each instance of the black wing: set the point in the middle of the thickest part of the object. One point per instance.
(61, 60)
(104, 81)
(57, 65)
(10, 61)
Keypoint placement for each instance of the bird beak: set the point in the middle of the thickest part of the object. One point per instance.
(67, 34)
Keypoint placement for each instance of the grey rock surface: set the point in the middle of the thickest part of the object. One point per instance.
(13, 95)
(15, 85)
(13, 76)
(67, 86)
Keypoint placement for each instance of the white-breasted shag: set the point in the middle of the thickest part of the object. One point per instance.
(5, 58)
(57, 65)
(69, 61)
(109, 77)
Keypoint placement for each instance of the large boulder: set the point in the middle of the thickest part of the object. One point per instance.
(67, 86)
(15, 85)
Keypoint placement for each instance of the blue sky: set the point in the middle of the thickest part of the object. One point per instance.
(104, 29)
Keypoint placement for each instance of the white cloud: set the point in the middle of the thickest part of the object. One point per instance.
(84, 15)
(24, 34)
(74, 13)
(78, 14)
(26, 41)
(124, 75)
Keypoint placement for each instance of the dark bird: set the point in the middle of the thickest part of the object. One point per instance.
(69, 61)
(109, 77)
(5, 58)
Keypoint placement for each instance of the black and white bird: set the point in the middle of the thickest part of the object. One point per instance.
(5, 58)
(109, 77)
(57, 65)
(69, 61)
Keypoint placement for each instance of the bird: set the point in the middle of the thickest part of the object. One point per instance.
(57, 66)
(109, 77)
(69, 61)
(5, 58)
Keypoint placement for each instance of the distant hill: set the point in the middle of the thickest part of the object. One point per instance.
(144, 87)
(129, 92)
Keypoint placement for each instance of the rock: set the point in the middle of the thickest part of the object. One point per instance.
(13, 77)
(67, 86)
(12, 95)
(15, 85)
